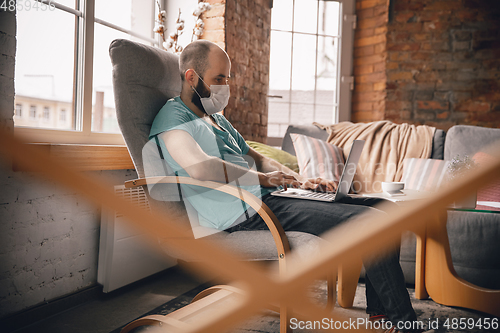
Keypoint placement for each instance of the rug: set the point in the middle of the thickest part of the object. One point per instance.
(170, 306)
(440, 317)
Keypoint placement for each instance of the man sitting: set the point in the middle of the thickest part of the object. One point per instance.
(199, 142)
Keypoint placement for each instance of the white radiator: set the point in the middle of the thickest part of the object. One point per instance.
(126, 255)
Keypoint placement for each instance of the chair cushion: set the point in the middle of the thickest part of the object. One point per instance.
(257, 245)
(144, 78)
(468, 140)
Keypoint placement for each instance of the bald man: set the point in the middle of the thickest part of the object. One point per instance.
(199, 142)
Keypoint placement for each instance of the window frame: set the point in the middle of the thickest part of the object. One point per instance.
(344, 66)
(83, 81)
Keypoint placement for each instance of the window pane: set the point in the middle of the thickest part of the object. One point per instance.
(134, 15)
(305, 16)
(325, 97)
(103, 110)
(304, 64)
(273, 130)
(329, 18)
(281, 15)
(279, 81)
(324, 114)
(302, 113)
(327, 70)
(280, 61)
(45, 68)
(278, 111)
(118, 12)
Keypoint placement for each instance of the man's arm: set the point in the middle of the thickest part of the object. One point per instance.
(189, 155)
(266, 164)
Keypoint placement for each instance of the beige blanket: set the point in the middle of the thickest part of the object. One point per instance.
(386, 146)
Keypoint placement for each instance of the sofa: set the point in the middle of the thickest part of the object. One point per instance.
(474, 235)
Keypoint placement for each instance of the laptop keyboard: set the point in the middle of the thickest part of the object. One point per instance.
(319, 195)
(311, 195)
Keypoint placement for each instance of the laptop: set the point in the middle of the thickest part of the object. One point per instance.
(344, 182)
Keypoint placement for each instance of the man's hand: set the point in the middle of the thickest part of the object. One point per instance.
(319, 184)
(278, 178)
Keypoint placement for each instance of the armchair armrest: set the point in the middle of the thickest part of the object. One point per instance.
(261, 208)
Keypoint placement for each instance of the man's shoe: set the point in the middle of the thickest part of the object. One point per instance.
(379, 323)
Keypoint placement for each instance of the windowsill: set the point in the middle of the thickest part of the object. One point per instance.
(86, 157)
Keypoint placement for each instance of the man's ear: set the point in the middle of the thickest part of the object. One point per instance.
(190, 77)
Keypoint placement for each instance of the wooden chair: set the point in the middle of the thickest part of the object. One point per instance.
(144, 78)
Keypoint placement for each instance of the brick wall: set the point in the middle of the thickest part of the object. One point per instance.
(443, 64)
(245, 26)
(368, 98)
(215, 20)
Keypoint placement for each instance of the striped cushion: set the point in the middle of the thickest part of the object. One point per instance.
(424, 174)
(318, 158)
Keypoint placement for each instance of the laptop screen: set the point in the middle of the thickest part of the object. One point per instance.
(349, 169)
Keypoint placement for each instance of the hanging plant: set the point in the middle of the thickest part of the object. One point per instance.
(171, 43)
(198, 22)
(160, 22)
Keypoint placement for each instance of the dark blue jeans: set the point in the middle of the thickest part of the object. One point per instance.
(385, 285)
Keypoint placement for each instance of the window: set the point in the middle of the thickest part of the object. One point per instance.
(46, 113)
(33, 111)
(70, 77)
(311, 51)
(62, 115)
(19, 111)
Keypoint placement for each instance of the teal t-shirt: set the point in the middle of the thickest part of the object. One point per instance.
(215, 209)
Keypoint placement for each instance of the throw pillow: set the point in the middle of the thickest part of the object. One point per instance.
(318, 158)
(424, 174)
(491, 192)
(278, 155)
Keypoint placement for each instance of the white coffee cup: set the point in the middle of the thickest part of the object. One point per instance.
(393, 187)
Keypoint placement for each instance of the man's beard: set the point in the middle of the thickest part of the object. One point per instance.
(203, 91)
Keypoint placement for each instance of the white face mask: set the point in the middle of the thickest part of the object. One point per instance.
(219, 97)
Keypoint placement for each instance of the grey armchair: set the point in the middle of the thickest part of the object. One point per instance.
(144, 78)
